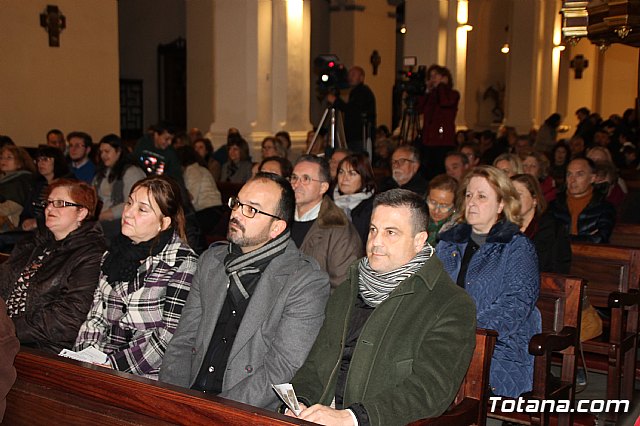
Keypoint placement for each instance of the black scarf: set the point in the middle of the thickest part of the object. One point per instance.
(245, 269)
(124, 257)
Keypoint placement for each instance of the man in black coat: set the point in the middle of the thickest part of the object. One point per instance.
(359, 111)
(584, 212)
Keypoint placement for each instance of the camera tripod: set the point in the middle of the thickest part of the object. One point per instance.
(410, 126)
(336, 129)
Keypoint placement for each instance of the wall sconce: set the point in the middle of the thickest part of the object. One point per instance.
(505, 48)
(466, 27)
(559, 47)
(403, 29)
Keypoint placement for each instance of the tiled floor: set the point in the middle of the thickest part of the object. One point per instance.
(596, 390)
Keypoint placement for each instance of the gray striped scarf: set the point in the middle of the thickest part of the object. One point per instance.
(247, 267)
(375, 287)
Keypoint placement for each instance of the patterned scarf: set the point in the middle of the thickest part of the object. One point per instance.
(375, 287)
(244, 269)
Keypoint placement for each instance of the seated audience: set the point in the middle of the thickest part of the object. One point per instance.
(278, 165)
(285, 140)
(55, 139)
(382, 150)
(538, 223)
(560, 157)
(51, 165)
(80, 145)
(472, 151)
(608, 183)
(204, 148)
(398, 335)
(547, 133)
(155, 154)
(441, 198)
(237, 168)
(9, 347)
(272, 147)
(202, 189)
(456, 164)
(405, 164)
(144, 281)
(536, 164)
(50, 277)
(256, 305)
(16, 183)
(584, 213)
(509, 163)
(487, 255)
(320, 228)
(114, 179)
(354, 192)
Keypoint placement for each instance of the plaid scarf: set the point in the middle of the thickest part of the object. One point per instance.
(375, 287)
(244, 269)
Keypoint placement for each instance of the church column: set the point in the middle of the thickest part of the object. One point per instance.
(248, 63)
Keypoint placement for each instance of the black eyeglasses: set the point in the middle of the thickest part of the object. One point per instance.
(247, 210)
(58, 204)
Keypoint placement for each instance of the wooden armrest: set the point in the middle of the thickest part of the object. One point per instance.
(545, 343)
(619, 299)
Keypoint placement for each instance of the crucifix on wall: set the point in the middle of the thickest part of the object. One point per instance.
(579, 64)
(53, 22)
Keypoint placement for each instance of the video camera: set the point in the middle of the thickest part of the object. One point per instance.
(332, 75)
(413, 82)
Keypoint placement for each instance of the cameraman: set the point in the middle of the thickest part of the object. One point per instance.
(439, 107)
(359, 112)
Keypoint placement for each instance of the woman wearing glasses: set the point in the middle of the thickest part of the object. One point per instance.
(49, 280)
(145, 279)
(354, 192)
(487, 255)
(441, 197)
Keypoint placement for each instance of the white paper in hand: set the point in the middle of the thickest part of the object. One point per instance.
(90, 354)
(288, 396)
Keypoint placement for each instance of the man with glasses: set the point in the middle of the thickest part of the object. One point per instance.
(405, 163)
(79, 148)
(255, 305)
(321, 229)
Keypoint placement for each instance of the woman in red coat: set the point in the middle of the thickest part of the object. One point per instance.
(439, 107)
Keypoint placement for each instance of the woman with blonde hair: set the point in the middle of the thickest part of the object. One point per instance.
(486, 254)
(509, 163)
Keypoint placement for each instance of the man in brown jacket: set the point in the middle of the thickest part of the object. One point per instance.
(9, 346)
(321, 229)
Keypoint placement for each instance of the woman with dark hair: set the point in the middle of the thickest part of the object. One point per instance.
(278, 165)
(439, 107)
(202, 189)
(547, 133)
(355, 190)
(50, 277)
(237, 169)
(549, 237)
(536, 164)
(441, 200)
(204, 148)
(145, 279)
(487, 255)
(560, 158)
(51, 165)
(114, 178)
(16, 183)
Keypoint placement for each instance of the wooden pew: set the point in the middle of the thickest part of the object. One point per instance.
(560, 305)
(613, 275)
(626, 234)
(56, 390)
(470, 405)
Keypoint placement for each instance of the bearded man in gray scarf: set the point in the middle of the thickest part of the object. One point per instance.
(398, 335)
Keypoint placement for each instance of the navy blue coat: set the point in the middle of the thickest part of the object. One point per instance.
(504, 281)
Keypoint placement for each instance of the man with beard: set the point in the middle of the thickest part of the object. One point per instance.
(255, 306)
(405, 163)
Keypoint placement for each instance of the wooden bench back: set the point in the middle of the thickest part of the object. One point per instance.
(56, 390)
(626, 235)
(607, 268)
(559, 302)
(470, 404)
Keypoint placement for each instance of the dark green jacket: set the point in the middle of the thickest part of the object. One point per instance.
(411, 356)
